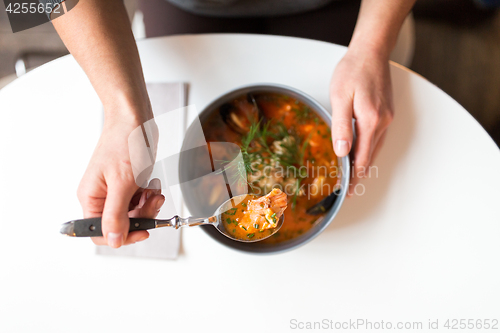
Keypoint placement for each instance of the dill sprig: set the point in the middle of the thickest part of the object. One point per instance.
(257, 154)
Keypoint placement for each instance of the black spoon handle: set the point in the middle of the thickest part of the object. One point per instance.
(92, 227)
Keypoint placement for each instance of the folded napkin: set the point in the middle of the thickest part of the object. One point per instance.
(163, 243)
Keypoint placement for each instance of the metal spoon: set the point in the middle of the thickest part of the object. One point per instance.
(92, 227)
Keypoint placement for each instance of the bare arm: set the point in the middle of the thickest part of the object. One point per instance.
(98, 35)
(378, 25)
(361, 83)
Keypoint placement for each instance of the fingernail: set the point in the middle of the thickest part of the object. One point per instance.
(155, 184)
(142, 238)
(160, 203)
(148, 194)
(115, 240)
(341, 147)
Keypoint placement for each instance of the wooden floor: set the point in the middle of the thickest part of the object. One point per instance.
(463, 61)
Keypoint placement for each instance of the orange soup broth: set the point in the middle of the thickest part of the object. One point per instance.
(235, 217)
(319, 157)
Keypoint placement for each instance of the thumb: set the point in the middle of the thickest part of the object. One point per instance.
(342, 111)
(115, 220)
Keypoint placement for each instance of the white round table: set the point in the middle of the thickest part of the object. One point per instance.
(421, 244)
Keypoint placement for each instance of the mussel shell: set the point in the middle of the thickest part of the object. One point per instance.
(240, 119)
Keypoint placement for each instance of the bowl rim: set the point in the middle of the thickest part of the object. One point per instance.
(343, 161)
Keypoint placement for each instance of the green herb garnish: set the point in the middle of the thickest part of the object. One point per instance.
(302, 114)
(297, 191)
(274, 217)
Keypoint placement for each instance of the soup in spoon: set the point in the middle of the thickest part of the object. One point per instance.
(255, 218)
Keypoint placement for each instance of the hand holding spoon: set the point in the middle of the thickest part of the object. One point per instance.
(92, 227)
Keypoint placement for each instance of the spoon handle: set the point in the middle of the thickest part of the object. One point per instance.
(177, 222)
(92, 227)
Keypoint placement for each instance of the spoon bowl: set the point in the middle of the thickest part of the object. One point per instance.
(231, 203)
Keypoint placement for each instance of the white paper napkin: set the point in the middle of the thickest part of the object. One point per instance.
(162, 243)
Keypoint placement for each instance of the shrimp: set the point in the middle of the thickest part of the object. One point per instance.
(267, 210)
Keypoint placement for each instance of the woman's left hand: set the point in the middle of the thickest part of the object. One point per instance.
(361, 89)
